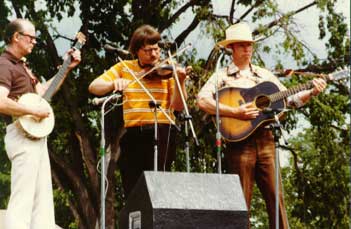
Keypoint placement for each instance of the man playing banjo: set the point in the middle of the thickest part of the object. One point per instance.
(31, 201)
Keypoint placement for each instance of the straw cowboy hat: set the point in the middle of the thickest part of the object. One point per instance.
(239, 32)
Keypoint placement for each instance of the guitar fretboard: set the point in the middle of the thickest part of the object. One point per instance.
(293, 90)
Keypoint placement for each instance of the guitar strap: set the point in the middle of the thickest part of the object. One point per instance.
(255, 76)
(33, 79)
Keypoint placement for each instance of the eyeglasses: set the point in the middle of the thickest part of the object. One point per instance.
(149, 50)
(32, 38)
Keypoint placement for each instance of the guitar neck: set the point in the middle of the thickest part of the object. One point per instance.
(59, 76)
(293, 90)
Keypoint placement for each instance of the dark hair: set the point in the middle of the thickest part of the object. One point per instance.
(11, 28)
(144, 35)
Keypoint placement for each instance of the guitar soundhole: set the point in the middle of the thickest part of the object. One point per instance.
(262, 102)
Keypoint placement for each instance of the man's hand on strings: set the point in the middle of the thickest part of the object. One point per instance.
(246, 112)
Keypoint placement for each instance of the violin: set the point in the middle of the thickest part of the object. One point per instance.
(161, 71)
(164, 71)
(167, 70)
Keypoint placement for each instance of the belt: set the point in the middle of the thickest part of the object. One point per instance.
(148, 127)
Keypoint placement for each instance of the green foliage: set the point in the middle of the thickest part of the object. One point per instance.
(259, 217)
(202, 157)
(267, 10)
(4, 13)
(320, 163)
(57, 9)
(62, 202)
(5, 180)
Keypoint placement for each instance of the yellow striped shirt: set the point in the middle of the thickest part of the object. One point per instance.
(136, 109)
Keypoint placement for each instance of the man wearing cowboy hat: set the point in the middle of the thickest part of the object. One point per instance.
(254, 157)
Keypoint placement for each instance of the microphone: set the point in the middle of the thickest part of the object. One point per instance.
(165, 44)
(223, 49)
(113, 97)
(110, 48)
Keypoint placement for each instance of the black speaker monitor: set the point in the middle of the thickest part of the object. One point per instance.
(185, 200)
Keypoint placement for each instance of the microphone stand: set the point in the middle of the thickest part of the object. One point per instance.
(277, 133)
(103, 161)
(188, 118)
(187, 146)
(218, 133)
(154, 105)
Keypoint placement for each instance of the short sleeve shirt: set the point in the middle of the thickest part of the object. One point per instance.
(231, 76)
(14, 76)
(136, 108)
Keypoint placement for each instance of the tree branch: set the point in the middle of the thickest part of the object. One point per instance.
(88, 154)
(257, 3)
(220, 16)
(77, 186)
(71, 205)
(295, 156)
(114, 152)
(50, 45)
(16, 7)
(111, 191)
(181, 10)
(165, 3)
(187, 31)
(211, 60)
(231, 13)
(275, 22)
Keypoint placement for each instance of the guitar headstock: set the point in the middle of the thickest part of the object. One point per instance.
(81, 39)
(341, 74)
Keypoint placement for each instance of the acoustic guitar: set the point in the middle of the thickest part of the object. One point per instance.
(38, 129)
(265, 96)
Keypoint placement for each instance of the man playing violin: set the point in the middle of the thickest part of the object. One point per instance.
(137, 144)
(253, 158)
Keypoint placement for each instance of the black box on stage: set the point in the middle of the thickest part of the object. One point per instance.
(185, 200)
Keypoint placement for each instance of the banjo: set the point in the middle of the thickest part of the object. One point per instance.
(36, 129)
